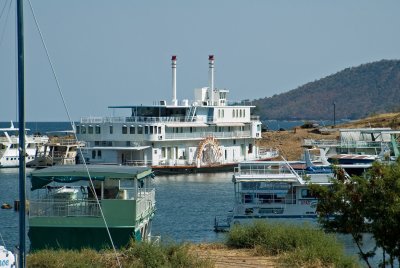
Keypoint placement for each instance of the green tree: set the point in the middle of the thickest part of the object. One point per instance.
(355, 205)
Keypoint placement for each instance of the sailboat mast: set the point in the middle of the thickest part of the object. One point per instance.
(21, 135)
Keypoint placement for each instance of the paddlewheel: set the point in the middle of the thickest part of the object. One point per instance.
(208, 152)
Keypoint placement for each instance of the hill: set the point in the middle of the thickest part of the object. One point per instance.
(358, 92)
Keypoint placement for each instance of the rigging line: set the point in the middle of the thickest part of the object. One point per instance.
(2, 11)
(6, 21)
(4, 243)
(16, 65)
(73, 127)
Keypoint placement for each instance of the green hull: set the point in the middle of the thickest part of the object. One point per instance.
(79, 237)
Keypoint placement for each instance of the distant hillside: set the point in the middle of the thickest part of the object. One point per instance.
(358, 92)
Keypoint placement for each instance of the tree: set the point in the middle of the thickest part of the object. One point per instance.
(355, 205)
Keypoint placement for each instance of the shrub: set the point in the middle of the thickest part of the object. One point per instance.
(298, 245)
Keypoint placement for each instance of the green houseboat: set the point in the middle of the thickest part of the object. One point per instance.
(64, 212)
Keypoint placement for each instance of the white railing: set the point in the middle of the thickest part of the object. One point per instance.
(202, 135)
(261, 168)
(342, 144)
(140, 119)
(268, 153)
(68, 208)
(145, 204)
(320, 143)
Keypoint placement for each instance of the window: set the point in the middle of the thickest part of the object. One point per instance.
(132, 130)
(244, 113)
(223, 113)
(93, 154)
(78, 129)
(90, 129)
(97, 129)
(151, 129)
(140, 130)
(233, 113)
(250, 151)
(306, 193)
(111, 129)
(83, 130)
(146, 129)
(159, 130)
(99, 153)
(240, 113)
(124, 129)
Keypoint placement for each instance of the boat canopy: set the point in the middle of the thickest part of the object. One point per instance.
(74, 173)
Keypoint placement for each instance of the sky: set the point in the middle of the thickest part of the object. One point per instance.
(118, 52)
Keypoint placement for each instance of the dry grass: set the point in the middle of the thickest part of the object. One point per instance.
(224, 257)
(289, 142)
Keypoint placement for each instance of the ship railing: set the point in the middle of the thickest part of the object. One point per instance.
(138, 163)
(145, 204)
(141, 119)
(261, 169)
(63, 208)
(64, 141)
(361, 144)
(320, 143)
(202, 135)
(255, 118)
(268, 153)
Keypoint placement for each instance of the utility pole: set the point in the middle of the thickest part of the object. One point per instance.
(334, 114)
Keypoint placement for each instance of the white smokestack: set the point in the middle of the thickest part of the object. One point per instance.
(211, 77)
(174, 100)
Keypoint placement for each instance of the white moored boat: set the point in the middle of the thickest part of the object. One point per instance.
(9, 154)
(206, 134)
(272, 191)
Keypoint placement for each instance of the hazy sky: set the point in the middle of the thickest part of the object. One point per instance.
(118, 52)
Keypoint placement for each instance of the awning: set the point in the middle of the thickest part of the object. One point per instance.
(119, 148)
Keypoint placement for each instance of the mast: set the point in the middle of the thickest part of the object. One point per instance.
(21, 135)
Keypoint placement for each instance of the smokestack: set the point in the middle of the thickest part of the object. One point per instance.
(211, 77)
(174, 100)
